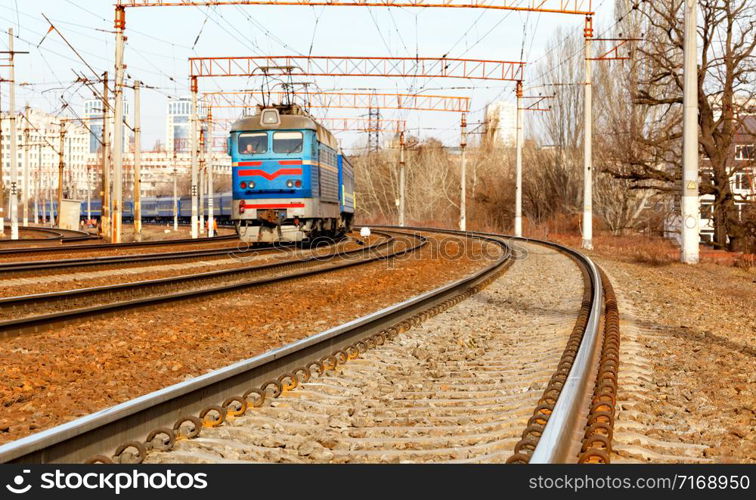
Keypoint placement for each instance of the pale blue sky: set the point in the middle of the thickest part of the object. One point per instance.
(161, 39)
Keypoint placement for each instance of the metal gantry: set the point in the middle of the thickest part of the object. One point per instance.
(518, 148)
(403, 67)
(340, 66)
(390, 67)
(430, 67)
(553, 6)
(609, 55)
(343, 100)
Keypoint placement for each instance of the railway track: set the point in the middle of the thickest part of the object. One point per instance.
(111, 246)
(19, 267)
(50, 235)
(214, 401)
(31, 313)
(87, 247)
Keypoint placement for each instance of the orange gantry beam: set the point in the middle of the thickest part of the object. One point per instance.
(343, 100)
(351, 124)
(420, 67)
(581, 7)
(362, 124)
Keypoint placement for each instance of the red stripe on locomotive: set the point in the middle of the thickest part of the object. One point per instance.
(254, 172)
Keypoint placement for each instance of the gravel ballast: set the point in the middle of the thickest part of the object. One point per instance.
(687, 364)
(459, 387)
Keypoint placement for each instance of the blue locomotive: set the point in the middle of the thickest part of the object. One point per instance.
(289, 180)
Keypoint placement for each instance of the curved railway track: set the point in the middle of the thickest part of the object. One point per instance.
(127, 432)
(51, 235)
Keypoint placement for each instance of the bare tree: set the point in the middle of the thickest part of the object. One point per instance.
(727, 29)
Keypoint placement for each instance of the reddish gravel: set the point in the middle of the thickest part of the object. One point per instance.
(55, 376)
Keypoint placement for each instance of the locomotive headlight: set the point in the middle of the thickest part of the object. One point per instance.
(251, 185)
(290, 183)
(270, 117)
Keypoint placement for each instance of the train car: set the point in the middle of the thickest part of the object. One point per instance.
(225, 208)
(346, 194)
(164, 208)
(285, 178)
(95, 208)
(149, 209)
(185, 209)
(127, 211)
(221, 207)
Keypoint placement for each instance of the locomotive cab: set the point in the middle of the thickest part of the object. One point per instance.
(285, 177)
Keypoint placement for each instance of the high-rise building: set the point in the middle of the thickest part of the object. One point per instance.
(178, 125)
(501, 123)
(93, 117)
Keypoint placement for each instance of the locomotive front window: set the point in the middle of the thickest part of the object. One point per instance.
(287, 142)
(253, 143)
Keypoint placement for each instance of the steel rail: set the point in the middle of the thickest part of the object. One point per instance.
(102, 432)
(12, 267)
(101, 246)
(561, 437)
(56, 234)
(560, 440)
(32, 324)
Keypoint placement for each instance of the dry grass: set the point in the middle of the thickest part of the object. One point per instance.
(635, 248)
(745, 262)
(640, 249)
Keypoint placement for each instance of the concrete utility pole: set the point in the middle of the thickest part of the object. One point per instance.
(38, 190)
(105, 195)
(690, 216)
(175, 196)
(587, 141)
(518, 162)
(194, 127)
(89, 194)
(210, 191)
(45, 198)
(402, 181)
(120, 25)
(25, 186)
(50, 210)
(463, 175)
(13, 145)
(61, 167)
(202, 178)
(210, 208)
(2, 182)
(137, 161)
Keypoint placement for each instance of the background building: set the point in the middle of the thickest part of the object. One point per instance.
(43, 143)
(93, 117)
(178, 125)
(500, 124)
